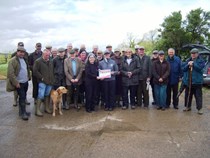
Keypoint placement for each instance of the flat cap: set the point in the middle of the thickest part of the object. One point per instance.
(48, 46)
(72, 51)
(116, 50)
(194, 50)
(109, 46)
(38, 44)
(107, 52)
(136, 47)
(21, 44)
(161, 52)
(155, 52)
(61, 49)
(21, 49)
(141, 47)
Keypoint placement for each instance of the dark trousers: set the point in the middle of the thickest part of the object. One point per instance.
(174, 89)
(109, 93)
(143, 93)
(100, 93)
(35, 87)
(90, 93)
(73, 93)
(126, 99)
(22, 92)
(196, 90)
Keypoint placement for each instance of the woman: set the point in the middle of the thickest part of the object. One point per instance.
(161, 71)
(130, 68)
(91, 71)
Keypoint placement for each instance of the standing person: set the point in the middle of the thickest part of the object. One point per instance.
(20, 44)
(154, 58)
(17, 79)
(73, 69)
(31, 60)
(161, 71)
(144, 78)
(43, 71)
(59, 74)
(95, 50)
(54, 53)
(109, 83)
(174, 77)
(109, 48)
(193, 80)
(130, 68)
(118, 78)
(91, 73)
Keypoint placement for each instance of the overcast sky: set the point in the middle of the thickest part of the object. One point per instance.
(102, 22)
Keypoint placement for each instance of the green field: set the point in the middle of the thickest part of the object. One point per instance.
(3, 71)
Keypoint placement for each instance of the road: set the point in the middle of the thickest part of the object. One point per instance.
(139, 133)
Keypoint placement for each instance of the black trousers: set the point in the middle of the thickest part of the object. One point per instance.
(126, 97)
(90, 93)
(142, 93)
(72, 94)
(109, 93)
(174, 89)
(22, 92)
(35, 87)
(196, 90)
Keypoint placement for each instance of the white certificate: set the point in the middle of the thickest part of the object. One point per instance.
(105, 73)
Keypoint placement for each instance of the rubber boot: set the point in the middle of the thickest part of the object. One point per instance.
(15, 102)
(37, 108)
(22, 108)
(47, 105)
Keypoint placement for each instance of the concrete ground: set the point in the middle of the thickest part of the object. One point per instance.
(139, 133)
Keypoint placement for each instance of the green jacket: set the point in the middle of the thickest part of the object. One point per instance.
(12, 73)
(43, 70)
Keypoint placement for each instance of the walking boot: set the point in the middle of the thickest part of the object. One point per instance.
(22, 107)
(37, 108)
(47, 105)
(27, 102)
(15, 101)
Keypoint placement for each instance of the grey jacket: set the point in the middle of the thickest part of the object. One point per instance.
(110, 64)
(146, 67)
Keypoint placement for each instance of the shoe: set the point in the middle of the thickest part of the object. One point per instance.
(106, 109)
(187, 109)
(67, 107)
(176, 107)
(200, 112)
(14, 105)
(110, 109)
(133, 107)
(124, 108)
(88, 111)
(159, 108)
(163, 109)
(27, 102)
(153, 103)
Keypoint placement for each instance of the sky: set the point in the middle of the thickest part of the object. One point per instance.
(89, 22)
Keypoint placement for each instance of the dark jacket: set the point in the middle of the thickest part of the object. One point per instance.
(59, 74)
(160, 70)
(32, 58)
(91, 73)
(197, 71)
(175, 71)
(145, 66)
(43, 71)
(12, 73)
(110, 64)
(134, 67)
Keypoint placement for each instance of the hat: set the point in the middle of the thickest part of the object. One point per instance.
(38, 44)
(136, 47)
(161, 52)
(141, 47)
(21, 44)
(60, 50)
(109, 46)
(194, 50)
(76, 49)
(48, 46)
(107, 52)
(116, 50)
(21, 49)
(95, 46)
(155, 52)
(72, 51)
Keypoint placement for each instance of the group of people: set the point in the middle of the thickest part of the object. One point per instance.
(103, 78)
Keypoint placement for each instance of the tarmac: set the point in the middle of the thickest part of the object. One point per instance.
(139, 133)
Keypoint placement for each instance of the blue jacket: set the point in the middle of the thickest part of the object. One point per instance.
(109, 64)
(176, 71)
(197, 71)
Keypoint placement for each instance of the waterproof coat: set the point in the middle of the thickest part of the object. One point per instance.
(59, 74)
(12, 73)
(146, 67)
(134, 68)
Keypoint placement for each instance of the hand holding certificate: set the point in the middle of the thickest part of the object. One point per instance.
(104, 74)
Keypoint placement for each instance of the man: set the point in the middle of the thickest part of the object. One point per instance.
(48, 47)
(109, 49)
(174, 77)
(193, 80)
(73, 69)
(60, 78)
(20, 44)
(17, 79)
(144, 78)
(68, 49)
(109, 83)
(95, 50)
(54, 53)
(31, 60)
(154, 58)
(43, 71)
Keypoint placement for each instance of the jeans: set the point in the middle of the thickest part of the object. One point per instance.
(160, 94)
(44, 90)
(22, 92)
